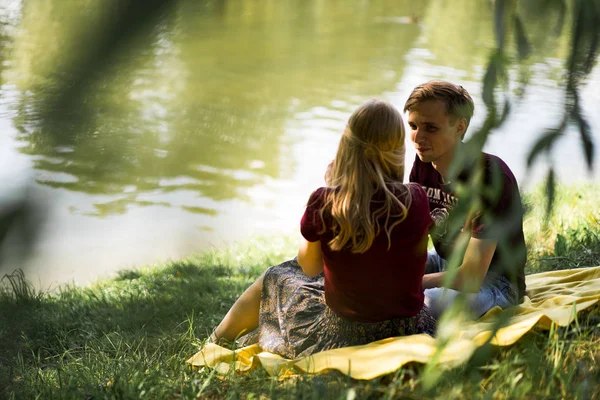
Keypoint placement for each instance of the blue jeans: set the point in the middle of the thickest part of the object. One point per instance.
(495, 291)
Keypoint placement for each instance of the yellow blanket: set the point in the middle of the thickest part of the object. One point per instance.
(553, 297)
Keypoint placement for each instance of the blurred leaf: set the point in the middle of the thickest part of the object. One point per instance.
(560, 245)
(128, 18)
(544, 143)
(585, 134)
(550, 191)
(585, 42)
(8, 217)
(505, 112)
(495, 71)
(20, 224)
(560, 23)
(500, 23)
(585, 39)
(594, 31)
(490, 81)
(523, 46)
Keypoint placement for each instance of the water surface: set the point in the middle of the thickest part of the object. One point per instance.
(215, 123)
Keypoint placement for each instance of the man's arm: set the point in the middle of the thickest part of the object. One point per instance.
(310, 257)
(470, 275)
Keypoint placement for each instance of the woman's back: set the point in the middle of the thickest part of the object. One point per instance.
(368, 233)
(383, 282)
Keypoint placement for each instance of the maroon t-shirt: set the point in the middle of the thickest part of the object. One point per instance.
(500, 216)
(379, 284)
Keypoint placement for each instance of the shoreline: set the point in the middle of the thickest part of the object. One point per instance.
(575, 203)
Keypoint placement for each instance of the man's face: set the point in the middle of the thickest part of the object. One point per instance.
(434, 133)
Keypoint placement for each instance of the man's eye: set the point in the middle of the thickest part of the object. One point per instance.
(431, 128)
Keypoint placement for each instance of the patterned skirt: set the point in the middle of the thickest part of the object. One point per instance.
(296, 322)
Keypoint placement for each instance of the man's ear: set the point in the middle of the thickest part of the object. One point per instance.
(461, 127)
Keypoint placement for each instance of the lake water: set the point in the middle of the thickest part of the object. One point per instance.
(216, 121)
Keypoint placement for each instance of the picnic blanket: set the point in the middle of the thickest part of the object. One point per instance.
(552, 298)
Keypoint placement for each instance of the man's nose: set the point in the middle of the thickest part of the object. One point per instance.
(416, 135)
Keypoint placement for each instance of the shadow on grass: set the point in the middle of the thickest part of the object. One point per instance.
(131, 318)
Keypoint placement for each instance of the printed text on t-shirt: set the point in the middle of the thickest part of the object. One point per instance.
(440, 198)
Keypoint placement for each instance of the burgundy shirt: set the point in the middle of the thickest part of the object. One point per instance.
(499, 218)
(379, 284)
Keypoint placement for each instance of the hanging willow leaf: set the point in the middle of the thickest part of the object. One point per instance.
(593, 30)
(585, 38)
(523, 46)
(128, 18)
(505, 112)
(587, 33)
(494, 69)
(544, 143)
(585, 135)
(20, 220)
(550, 190)
(560, 23)
(490, 81)
(499, 23)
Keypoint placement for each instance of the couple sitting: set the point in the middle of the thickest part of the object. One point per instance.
(363, 272)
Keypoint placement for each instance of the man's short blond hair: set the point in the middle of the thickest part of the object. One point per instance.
(459, 103)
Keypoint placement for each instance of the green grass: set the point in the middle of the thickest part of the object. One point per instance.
(129, 337)
(570, 238)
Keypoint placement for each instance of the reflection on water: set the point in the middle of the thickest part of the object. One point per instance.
(217, 121)
(200, 103)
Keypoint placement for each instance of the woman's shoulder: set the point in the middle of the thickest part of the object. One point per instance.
(414, 189)
(320, 192)
(415, 198)
(419, 196)
(412, 195)
(317, 197)
(417, 190)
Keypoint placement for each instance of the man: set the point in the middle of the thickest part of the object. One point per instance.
(490, 265)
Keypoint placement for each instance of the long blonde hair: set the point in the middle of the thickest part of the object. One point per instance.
(369, 159)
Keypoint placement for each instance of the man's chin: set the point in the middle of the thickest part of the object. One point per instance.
(424, 157)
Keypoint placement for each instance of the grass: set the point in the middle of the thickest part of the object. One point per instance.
(570, 237)
(129, 337)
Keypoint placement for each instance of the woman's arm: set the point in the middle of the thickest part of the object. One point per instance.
(310, 257)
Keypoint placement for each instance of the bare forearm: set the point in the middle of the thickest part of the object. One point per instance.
(461, 281)
(470, 275)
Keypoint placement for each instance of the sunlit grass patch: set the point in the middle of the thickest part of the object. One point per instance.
(570, 236)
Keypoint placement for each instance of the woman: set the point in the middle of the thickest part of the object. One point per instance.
(358, 274)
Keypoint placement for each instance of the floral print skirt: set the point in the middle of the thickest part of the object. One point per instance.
(296, 322)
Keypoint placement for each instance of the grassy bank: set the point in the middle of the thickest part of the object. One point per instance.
(129, 337)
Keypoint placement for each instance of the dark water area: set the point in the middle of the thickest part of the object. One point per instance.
(214, 122)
